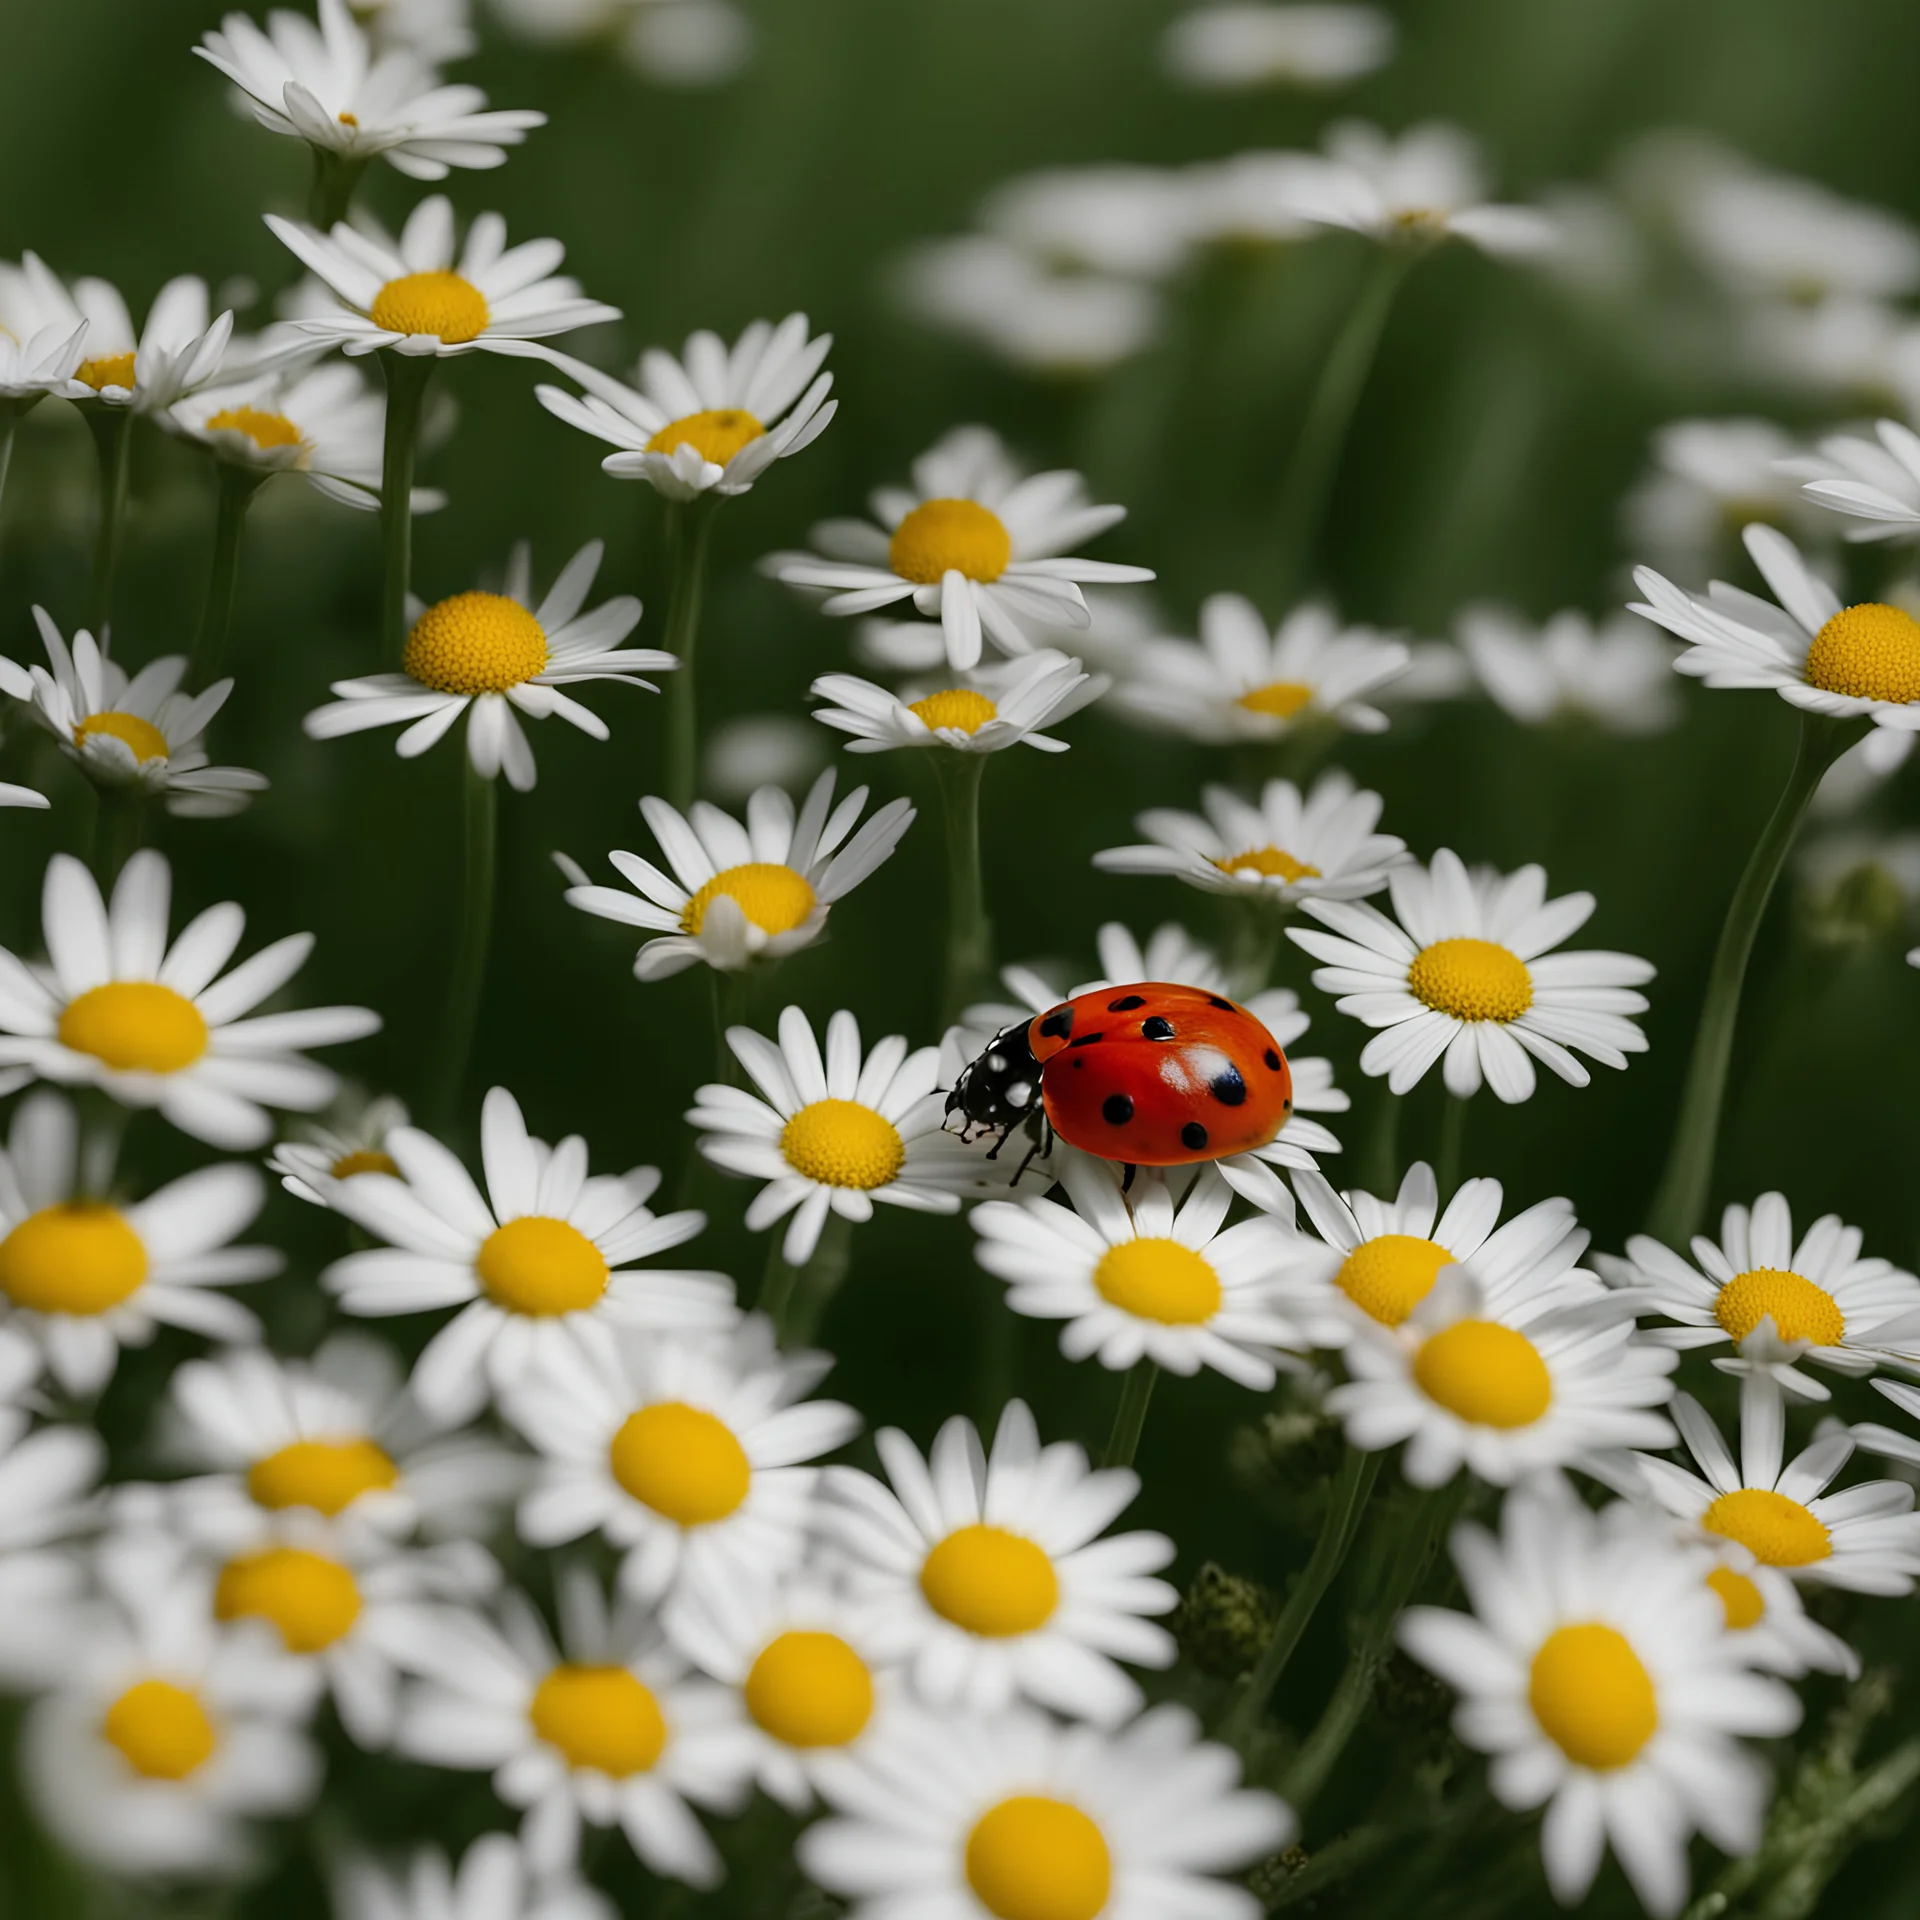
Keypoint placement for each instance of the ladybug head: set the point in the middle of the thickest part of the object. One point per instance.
(996, 1092)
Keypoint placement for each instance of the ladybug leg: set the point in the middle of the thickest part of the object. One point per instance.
(1040, 1139)
(1126, 1182)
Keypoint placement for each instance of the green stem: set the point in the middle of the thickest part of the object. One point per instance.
(1453, 1134)
(476, 936)
(816, 1284)
(119, 827)
(238, 485)
(1382, 1174)
(969, 931)
(689, 533)
(407, 375)
(103, 1128)
(112, 429)
(1131, 1414)
(776, 1283)
(1256, 944)
(334, 179)
(731, 987)
(1681, 1201)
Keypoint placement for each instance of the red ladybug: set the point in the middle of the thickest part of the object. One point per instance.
(1152, 1075)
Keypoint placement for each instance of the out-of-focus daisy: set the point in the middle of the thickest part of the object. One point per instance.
(1290, 848)
(42, 338)
(116, 1007)
(1769, 1622)
(547, 1246)
(973, 540)
(178, 351)
(741, 893)
(833, 1134)
(713, 419)
(433, 30)
(985, 1574)
(1238, 682)
(673, 43)
(47, 1478)
(1596, 1669)
(754, 750)
(1002, 705)
(1130, 220)
(498, 655)
(1709, 479)
(1235, 48)
(1874, 483)
(1619, 675)
(1859, 887)
(492, 1882)
(317, 1157)
(426, 295)
(1466, 970)
(687, 1455)
(83, 1277)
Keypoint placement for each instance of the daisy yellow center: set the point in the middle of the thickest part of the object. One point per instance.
(1282, 699)
(327, 1475)
(1036, 1858)
(1471, 979)
(1272, 863)
(313, 1601)
(991, 1582)
(602, 1718)
(950, 536)
(135, 1026)
(773, 897)
(957, 707)
(265, 430)
(364, 1160)
(841, 1143)
(1739, 1597)
(540, 1266)
(682, 1462)
(1868, 652)
(110, 370)
(715, 436)
(1799, 1309)
(1592, 1696)
(810, 1690)
(453, 310)
(162, 1731)
(1389, 1275)
(1485, 1374)
(1778, 1532)
(141, 737)
(1158, 1279)
(73, 1258)
(475, 643)
(347, 119)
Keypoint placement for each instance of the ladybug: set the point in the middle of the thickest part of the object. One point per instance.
(1152, 1075)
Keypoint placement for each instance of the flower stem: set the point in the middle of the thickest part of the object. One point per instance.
(407, 376)
(1453, 1134)
(1382, 1170)
(969, 931)
(112, 440)
(816, 1284)
(103, 1129)
(776, 1283)
(238, 485)
(119, 827)
(689, 532)
(730, 991)
(334, 179)
(1256, 943)
(1131, 1414)
(1681, 1202)
(476, 935)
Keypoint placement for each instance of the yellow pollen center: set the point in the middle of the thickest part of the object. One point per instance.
(1034, 1858)
(950, 536)
(810, 1690)
(602, 1718)
(1742, 1600)
(72, 1258)
(313, 1601)
(453, 310)
(682, 1462)
(716, 436)
(1484, 1373)
(110, 370)
(1272, 863)
(162, 1731)
(1389, 1275)
(1282, 699)
(364, 1160)
(990, 1582)
(1799, 1309)
(327, 1475)
(958, 708)
(774, 898)
(135, 1026)
(540, 1266)
(1471, 979)
(1778, 1532)
(475, 643)
(265, 430)
(347, 119)
(841, 1143)
(1158, 1279)
(141, 737)
(1868, 652)
(1592, 1696)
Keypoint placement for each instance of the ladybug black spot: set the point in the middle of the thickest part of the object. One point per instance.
(1117, 1109)
(1227, 1087)
(1214, 1000)
(1082, 1063)
(1126, 1003)
(1056, 1025)
(1157, 1029)
(1193, 1136)
(1273, 1061)
(1085, 1039)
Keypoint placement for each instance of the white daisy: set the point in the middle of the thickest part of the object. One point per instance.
(492, 1882)
(955, 1818)
(1888, 1442)
(317, 1157)
(549, 1245)
(497, 655)
(425, 295)
(830, 1135)
(1596, 1669)
(985, 1574)
(178, 351)
(1619, 676)
(1874, 483)
(1002, 705)
(1130, 220)
(42, 338)
(1769, 1623)
(1707, 480)
(1466, 970)
(1236, 46)
(118, 1008)
(432, 29)
(673, 43)
(1238, 682)
(741, 893)
(1123, 622)
(715, 418)
(974, 541)
(47, 1481)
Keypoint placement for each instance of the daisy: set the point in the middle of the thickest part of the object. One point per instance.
(492, 1882)
(1123, 622)
(674, 43)
(972, 541)
(1465, 969)
(1876, 486)
(42, 338)
(131, 731)
(1238, 682)
(612, 1730)
(1888, 1442)
(712, 420)
(1866, 1538)
(687, 1455)
(830, 1135)
(328, 87)
(178, 351)
(984, 1574)
(81, 1276)
(1776, 1303)
(1231, 47)
(432, 30)
(1768, 1621)
(495, 655)
(424, 295)
(311, 1164)
(1596, 1669)
(116, 1007)
(548, 1247)
(1004, 705)
(954, 1818)
(1126, 220)
(741, 893)
(1291, 847)
(1708, 479)
(1618, 676)
(47, 1495)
